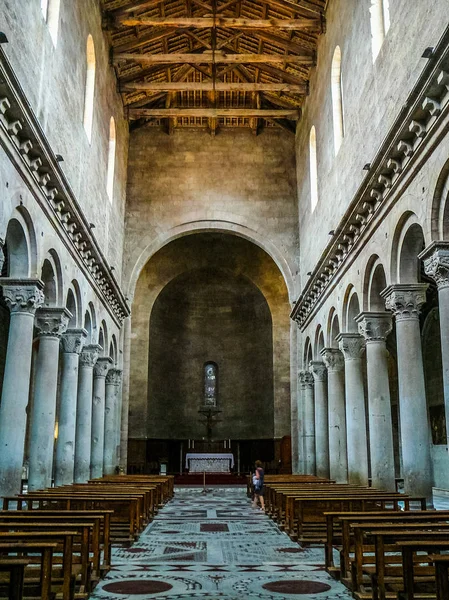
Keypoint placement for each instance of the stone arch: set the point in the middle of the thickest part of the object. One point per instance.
(113, 349)
(374, 282)
(351, 308)
(380, 23)
(103, 338)
(220, 227)
(313, 168)
(20, 247)
(333, 329)
(51, 275)
(74, 293)
(88, 326)
(93, 318)
(71, 306)
(439, 218)
(308, 353)
(319, 342)
(111, 159)
(408, 242)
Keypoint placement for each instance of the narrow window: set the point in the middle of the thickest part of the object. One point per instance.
(90, 88)
(111, 159)
(210, 384)
(337, 99)
(313, 169)
(380, 23)
(53, 19)
(44, 8)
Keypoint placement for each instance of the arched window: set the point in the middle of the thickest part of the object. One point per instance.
(90, 88)
(50, 12)
(337, 99)
(380, 24)
(111, 159)
(313, 168)
(210, 384)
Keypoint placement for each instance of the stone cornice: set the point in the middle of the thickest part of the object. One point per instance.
(426, 107)
(23, 139)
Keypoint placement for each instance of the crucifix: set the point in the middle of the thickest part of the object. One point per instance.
(210, 414)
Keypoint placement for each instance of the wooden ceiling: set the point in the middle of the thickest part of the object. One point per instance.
(214, 63)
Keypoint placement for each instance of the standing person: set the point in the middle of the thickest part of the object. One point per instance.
(258, 485)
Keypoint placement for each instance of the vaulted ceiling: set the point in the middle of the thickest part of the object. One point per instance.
(214, 63)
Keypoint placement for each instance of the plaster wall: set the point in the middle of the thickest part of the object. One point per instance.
(373, 95)
(53, 79)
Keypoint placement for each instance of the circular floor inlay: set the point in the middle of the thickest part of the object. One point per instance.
(297, 587)
(135, 550)
(137, 586)
(290, 550)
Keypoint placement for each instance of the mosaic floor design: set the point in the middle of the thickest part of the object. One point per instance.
(215, 545)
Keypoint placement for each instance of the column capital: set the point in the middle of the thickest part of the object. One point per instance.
(89, 355)
(102, 366)
(405, 300)
(351, 344)
(436, 262)
(375, 326)
(22, 295)
(73, 340)
(52, 321)
(318, 370)
(333, 359)
(114, 376)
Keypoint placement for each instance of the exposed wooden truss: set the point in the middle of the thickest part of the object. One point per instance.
(214, 63)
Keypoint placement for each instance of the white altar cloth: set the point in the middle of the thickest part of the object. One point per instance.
(209, 462)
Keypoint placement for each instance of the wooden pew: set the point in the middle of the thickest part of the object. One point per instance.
(428, 544)
(42, 549)
(441, 562)
(15, 566)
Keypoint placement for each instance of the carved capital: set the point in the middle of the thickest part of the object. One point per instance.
(114, 377)
(333, 359)
(89, 355)
(318, 370)
(405, 300)
(375, 326)
(102, 366)
(352, 345)
(2, 254)
(73, 340)
(52, 322)
(22, 295)
(436, 263)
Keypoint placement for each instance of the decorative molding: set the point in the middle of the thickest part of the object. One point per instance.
(89, 355)
(318, 370)
(52, 321)
(333, 359)
(22, 295)
(436, 263)
(72, 340)
(114, 377)
(405, 300)
(352, 345)
(23, 139)
(375, 326)
(426, 107)
(102, 366)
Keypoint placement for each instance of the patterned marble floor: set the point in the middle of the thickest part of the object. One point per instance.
(216, 545)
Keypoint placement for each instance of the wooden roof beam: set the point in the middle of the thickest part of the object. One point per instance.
(209, 57)
(224, 22)
(164, 113)
(189, 86)
(277, 40)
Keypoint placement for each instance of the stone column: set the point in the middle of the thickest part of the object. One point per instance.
(309, 424)
(87, 360)
(125, 395)
(338, 459)
(23, 297)
(318, 370)
(101, 368)
(436, 265)
(352, 345)
(51, 324)
(405, 301)
(375, 327)
(72, 343)
(300, 422)
(113, 380)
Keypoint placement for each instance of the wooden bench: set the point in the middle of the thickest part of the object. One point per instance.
(15, 566)
(441, 562)
(40, 550)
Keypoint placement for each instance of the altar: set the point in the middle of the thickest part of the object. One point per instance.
(209, 462)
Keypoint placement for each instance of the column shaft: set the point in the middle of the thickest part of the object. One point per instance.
(375, 327)
(405, 301)
(112, 387)
(352, 345)
(309, 425)
(22, 298)
(338, 459)
(125, 395)
(98, 407)
(318, 370)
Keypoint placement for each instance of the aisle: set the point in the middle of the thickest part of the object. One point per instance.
(216, 545)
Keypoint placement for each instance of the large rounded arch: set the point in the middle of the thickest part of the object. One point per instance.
(319, 342)
(74, 305)
(333, 329)
(219, 226)
(308, 353)
(51, 275)
(375, 282)
(439, 216)
(408, 243)
(351, 308)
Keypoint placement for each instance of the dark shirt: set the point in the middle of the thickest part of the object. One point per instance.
(261, 473)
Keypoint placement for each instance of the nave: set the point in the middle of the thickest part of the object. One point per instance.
(216, 545)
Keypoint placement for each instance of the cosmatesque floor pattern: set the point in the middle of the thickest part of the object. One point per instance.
(215, 545)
